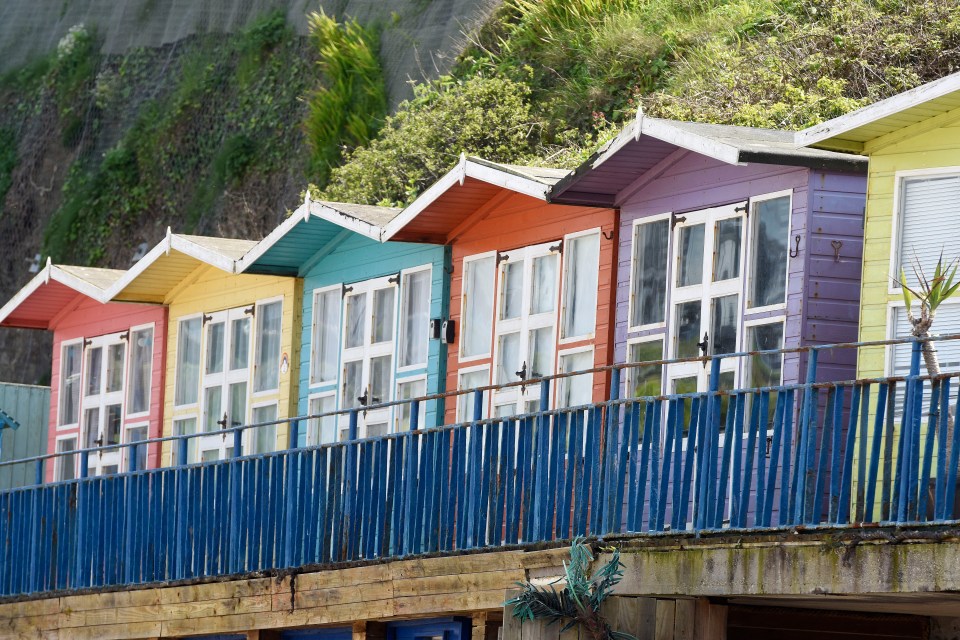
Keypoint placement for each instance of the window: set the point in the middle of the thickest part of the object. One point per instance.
(407, 391)
(185, 427)
(188, 362)
(326, 336)
(477, 317)
(414, 318)
(580, 277)
(66, 466)
(648, 294)
(948, 351)
(322, 430)
(141, 365)
(70, 384)
(575, 391)
(647, 380)
(137, 434)
(471, 380)
(925, 202)
(769, 252)
(266, 375)
(264, 439)
(765, 370)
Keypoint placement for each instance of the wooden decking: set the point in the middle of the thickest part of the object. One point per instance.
(471, 584)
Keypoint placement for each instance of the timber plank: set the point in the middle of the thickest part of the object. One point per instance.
(327, 597)
(666, 620)
(126, 631)
(337, 578)
(217, 590)
(459, 582)
(450, 602)
(131, 598)
(211, 608)
(43, 607)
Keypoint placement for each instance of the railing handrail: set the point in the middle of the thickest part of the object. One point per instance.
(295, 420)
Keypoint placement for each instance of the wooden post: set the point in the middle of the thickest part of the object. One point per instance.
(369, 630)
(711, 621)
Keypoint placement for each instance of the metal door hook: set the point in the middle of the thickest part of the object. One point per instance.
(836, 244)
(796, 250)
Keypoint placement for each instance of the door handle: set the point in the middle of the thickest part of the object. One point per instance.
(223, 423)
(522, 374)
(705, 345)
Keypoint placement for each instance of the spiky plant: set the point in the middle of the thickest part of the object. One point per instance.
(578, 603)
(932, 293)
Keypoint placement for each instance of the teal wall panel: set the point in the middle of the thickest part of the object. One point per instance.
(30, 406)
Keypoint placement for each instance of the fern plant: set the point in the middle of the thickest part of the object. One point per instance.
(578, 603)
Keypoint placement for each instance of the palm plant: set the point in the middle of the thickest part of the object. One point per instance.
(578, 602)
(932, 293)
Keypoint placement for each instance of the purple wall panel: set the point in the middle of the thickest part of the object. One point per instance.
(826, 207)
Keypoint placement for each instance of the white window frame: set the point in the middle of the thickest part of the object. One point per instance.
(662, 338)
(250, 435)
(176, 369)
(561, 382)
(125, 438)
(895, 230)
(331, 393)
(337, 289)
(487, 397)
(562, 311)
(422, 377)
(756, 322)
(463, 306)
(750, 220)
(58, 461)
(255, 349)
(70, 425)
(193, 441)
(127, 386)
(399, 336)
(669, 272)
(102, 459)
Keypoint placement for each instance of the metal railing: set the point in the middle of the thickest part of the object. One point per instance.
(811, 454)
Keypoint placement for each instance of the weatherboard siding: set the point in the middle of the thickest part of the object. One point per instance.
(210, 289)
(696, 182)
(29, 405)
(357, 259)
(89, 319)
(520, 221)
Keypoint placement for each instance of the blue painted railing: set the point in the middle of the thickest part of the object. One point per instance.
(815, 453)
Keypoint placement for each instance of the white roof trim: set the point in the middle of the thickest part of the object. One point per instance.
(55, 273)
(177, 243)
(301, 216)
(878, 110)
(466, 168)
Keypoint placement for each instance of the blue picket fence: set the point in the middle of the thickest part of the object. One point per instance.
(810, 454)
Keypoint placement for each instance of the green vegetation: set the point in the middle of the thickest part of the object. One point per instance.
(8, 162)
(349, 106)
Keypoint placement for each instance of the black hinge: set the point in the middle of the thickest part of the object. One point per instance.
(557, 248)
(345, 290)
(394, 279)
(205, 319)
(501, 257)
(675, 220)
(744, 209)
(251, 310)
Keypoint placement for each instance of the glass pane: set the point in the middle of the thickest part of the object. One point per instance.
(212, 409)
(238, 404)
(726, 383)
(115, 367)
(477, 321)
(239, 344)
(765, 369)
(383, 314)
(376, 430)
(141, 365)
(264, 438)
(771, 223)
(508, 358)
(580, 274)
(110, 469)
(415, 318)
(686, 385)
(94, 371)
(91, 428)
(406, 391)
(541, 353)
(266, 376)
(726, 250)
(322, 430)
(210, 455)
(690, 258)
(543, 295)
(137, 434)
(723, 328)
(352, 382)
(511, 290)
(688, 329)
(646, 381)
(505, 410)
(114, 418)
(326, 336)
(381, 369)
(70, 385)
(214, 358)
(185, 427)
(471, 380)
(577, 390)
(356, 314)
(188, 361)
(649, 272)
(66, 465)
